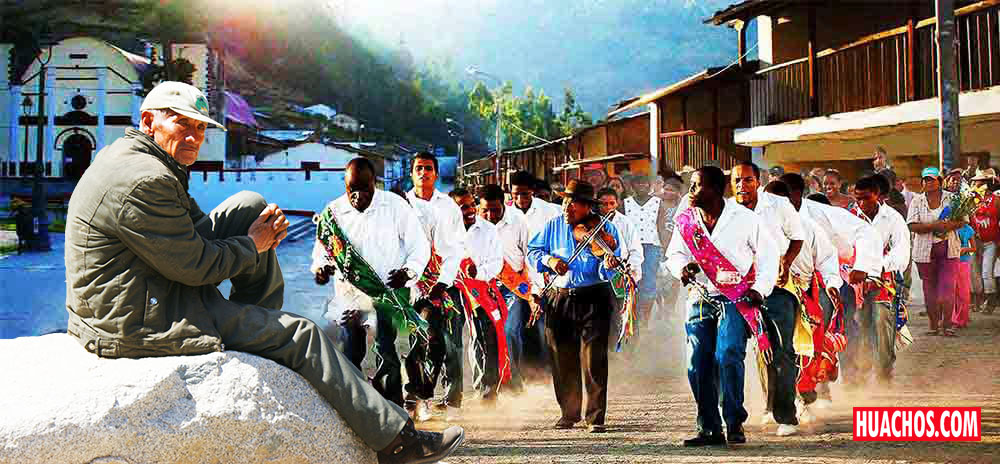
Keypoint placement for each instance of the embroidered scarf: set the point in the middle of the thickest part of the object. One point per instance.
(393, 304)
(714, 264)
(480, 294)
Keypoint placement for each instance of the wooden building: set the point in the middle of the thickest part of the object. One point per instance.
(839, 80)
(692, 121)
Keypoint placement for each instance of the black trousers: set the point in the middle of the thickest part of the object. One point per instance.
(576, 332)
(388, 379)
(440, 353)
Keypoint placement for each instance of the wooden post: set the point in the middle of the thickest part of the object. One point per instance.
(684, 147)
(741, 28)
(715, 124)
(949, 143)
(813, 100)
(911, 66)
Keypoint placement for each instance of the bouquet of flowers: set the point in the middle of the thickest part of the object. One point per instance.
(963, 205)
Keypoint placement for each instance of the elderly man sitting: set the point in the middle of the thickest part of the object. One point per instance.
(143, 263)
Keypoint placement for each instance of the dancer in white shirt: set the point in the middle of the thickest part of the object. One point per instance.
(721, 251)
(388, 235)
(442, 222)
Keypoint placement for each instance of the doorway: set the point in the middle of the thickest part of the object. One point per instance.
(77, 151)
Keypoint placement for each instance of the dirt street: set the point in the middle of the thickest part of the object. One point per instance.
(651, 411)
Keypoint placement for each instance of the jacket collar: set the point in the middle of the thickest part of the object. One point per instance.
(149, 146)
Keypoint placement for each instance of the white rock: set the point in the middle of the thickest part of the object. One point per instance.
(59, 403)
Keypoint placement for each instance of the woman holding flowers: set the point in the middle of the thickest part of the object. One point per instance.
(933, 219)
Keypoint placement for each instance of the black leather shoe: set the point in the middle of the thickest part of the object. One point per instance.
(706, 439)
(736, 435)
(414, 446)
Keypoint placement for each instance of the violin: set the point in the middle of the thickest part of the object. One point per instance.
(602, 243)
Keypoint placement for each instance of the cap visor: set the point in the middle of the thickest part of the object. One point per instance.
(198, 116)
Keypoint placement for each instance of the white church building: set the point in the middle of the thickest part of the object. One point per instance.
(93, 91)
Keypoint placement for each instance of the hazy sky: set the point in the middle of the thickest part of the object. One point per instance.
(604, 49)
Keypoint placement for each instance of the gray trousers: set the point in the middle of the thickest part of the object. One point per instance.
(250, 321)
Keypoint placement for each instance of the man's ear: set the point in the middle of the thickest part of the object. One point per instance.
(146, 122)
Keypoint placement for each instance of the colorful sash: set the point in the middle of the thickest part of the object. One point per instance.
(627, 290)
(713, 263)
(517, 282)
(826, 340)
(429, 279)
(393, 304)
(480, 294)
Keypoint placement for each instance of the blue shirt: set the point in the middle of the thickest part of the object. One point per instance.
(965, 234)
(556, 239)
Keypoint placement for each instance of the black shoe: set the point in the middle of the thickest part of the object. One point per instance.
(597, 428)
(736, 435)
(705, 439)
(414, 446)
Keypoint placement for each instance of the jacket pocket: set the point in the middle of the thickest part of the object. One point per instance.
(154, 316)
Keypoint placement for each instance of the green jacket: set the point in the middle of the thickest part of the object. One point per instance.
(139, 277)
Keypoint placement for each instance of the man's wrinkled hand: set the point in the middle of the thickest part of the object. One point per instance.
(398, 278)
(280, 224)
(263, 230)
(611, 261)
(857, 277)
(689, 273)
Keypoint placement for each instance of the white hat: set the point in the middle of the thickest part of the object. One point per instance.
(183, 98)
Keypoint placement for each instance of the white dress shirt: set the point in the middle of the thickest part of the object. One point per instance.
(850, 235)
(388, 236)
(481, 245)
(514, 237)
(780, 220)
(895, 237)
(817, 255)
(739, 234)
(442, 221)
(631, 249)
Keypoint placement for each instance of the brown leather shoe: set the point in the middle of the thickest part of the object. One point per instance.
(414, 446)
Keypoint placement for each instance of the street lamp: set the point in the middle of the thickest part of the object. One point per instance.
(39, 199)
(473, 71)
(461, 147)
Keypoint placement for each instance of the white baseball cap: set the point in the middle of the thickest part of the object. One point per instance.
(183, 98)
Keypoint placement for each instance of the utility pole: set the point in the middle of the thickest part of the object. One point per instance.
(949, 142)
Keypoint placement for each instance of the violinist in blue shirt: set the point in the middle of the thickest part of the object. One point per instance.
(578, 310)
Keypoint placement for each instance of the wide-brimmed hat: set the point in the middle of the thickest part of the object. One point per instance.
(579, 190)
(985, 174)
(184, 99)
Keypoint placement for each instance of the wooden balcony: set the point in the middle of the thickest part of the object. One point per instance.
(887, 68)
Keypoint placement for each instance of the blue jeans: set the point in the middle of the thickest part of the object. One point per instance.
(717, 346)
(518, 312)
(650, 267)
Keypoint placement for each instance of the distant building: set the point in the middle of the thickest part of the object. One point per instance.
(93, 91)
(346, 122)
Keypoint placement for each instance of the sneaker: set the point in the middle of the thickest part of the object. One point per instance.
(823, 403)
(806, 416)
(767, 419)
(414, 446)
(706, 439)
(785, 430)
(422, 413)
